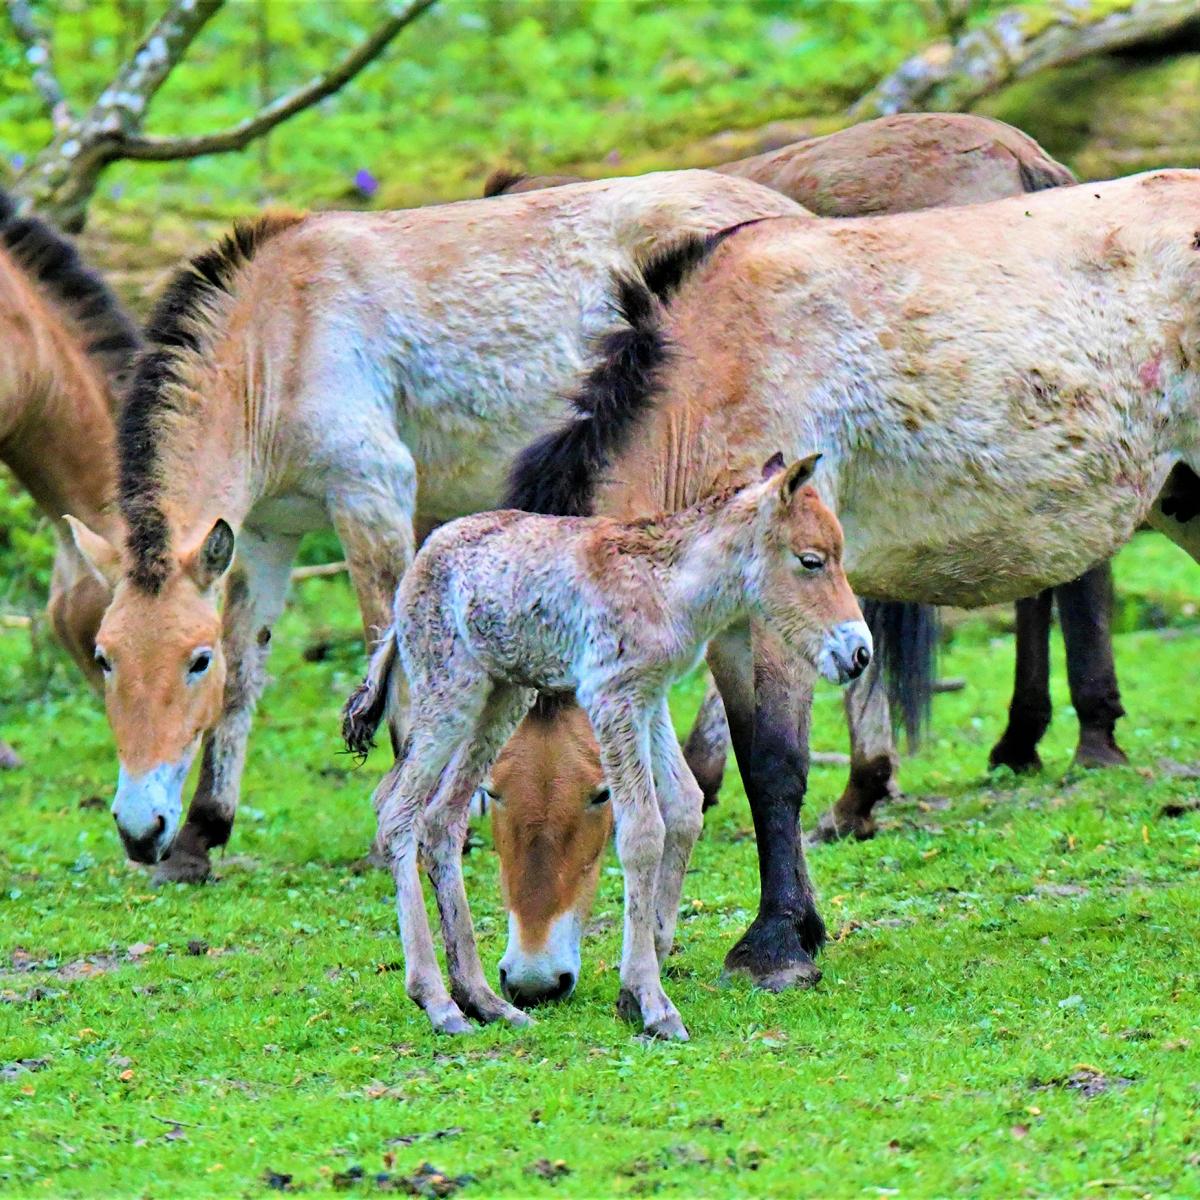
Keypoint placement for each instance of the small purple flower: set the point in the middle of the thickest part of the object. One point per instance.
(117, 191)
(366, 183)
(18, 162)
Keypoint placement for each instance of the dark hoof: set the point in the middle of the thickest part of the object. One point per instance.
(628, 1009)
(1023, 760)
(667, 1026)
(777, 954)
(486, 1007)
(834, 827)
(1098, 750)
(183, 866)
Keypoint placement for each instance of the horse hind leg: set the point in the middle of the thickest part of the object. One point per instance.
(1029, 710)
(445, 829)
(1085, 614)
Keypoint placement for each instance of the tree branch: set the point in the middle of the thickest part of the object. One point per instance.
(952, 76)
(236, 137)
(123, 104)
(39, 55)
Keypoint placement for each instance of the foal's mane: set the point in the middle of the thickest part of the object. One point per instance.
(51, 259)
(181, 329)
(500, 180)
(558, 473)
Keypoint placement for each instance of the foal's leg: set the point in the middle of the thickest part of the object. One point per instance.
(1029, 712)
(1085, 614)
(707, 746)
(873, 761)
(254, 597)
(681, 802)
(622, 727)
(442, 845)
(768, 696)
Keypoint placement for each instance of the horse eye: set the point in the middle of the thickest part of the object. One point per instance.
(200, 663)
(102, 661)
(602, 796)
(811, 562)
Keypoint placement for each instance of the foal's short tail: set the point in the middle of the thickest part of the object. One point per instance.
(368, 703)
(906, 641)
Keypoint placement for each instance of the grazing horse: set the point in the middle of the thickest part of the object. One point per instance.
(66, 346)
(903, 163)
(310, 371)
(502, 603)
(1002, 391)
(893, 164)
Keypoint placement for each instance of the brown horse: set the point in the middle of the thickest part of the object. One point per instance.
(890, 165)
(67, 347)
(306, 372)
(1003, 391)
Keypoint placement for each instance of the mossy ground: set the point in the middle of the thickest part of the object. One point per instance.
(1009, 1004)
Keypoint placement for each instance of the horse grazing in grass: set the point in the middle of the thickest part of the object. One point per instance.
(309, 371)
(1005, 392)
(904, 163)
(67, 346)
(894, 164)
(502, 603)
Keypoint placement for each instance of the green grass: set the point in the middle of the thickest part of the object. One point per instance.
(1009, 1004)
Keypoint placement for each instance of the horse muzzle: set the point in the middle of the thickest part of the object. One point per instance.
(846, 652)
(528, 978)
(147, 809)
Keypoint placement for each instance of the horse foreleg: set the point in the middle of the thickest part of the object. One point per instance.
(873, 761)
(445, 829)
(622, 728)
(1029, 710)
(1085, 614)
(768, 696)
(681, 802)
(707, 746)
(254, 598)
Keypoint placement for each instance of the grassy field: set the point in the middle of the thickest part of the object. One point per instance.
(1009, 1004)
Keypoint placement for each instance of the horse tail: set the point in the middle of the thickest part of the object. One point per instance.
(906, 640)
(368, 703)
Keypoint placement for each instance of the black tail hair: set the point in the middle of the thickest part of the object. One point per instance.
(368, 703)
(906, 640)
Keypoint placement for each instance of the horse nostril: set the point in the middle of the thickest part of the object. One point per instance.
(504, 981)
(566, 981)
(862, 658)
(162, 824)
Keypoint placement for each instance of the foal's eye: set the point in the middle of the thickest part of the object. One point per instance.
(811, 562)
(102, 661)
(200, 663)
(601, 796)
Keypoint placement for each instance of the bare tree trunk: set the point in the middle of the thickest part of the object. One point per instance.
(950, 77)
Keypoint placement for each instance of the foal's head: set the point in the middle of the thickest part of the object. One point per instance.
(551, 820)
(802, 589)
(159, 651)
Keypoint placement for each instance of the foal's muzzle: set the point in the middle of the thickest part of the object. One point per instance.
(846, 652)
(147, 808)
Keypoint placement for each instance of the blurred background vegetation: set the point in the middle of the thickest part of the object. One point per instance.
(597, 86)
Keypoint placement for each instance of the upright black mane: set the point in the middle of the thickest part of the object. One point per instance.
(500, 180)
(176, 328)
(52, 260)
(559, 472)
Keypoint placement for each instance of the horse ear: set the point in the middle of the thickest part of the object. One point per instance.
(773, 465)
(211, 559)
(798, 474)
(101, 556)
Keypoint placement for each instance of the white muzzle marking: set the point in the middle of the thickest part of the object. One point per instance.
(845, 652)
(147, 809)
(546, 974)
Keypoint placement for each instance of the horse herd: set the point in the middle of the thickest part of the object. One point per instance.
(997, 366)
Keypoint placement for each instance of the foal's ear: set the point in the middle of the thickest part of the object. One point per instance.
(773, 465)
(798, 474)
(210, 560)
(101, 556)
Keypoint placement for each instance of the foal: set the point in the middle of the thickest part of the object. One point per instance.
(504, 602)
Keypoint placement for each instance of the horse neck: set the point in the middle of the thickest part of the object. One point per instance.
(56, 429)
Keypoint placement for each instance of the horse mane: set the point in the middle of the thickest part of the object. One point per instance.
(51, 258)
(558, 473)
(500, 180)
(180, 329)
(1043, 173)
